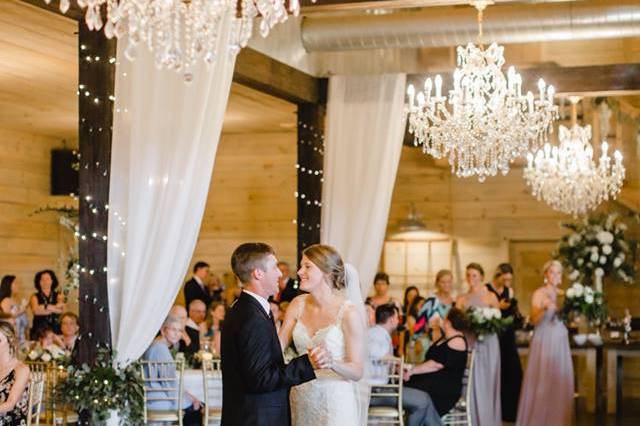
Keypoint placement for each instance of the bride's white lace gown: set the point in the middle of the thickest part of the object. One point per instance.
(329, 400)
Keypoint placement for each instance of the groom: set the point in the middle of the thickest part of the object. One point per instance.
(255, 380)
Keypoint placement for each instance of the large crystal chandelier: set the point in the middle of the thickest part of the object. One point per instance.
(566, 176)
(486, 121)
(179, 32)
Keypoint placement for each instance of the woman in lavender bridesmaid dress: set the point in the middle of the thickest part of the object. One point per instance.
(485, 392)
(547, 392)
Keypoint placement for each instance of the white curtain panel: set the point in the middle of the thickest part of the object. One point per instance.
(165, 138)
(363, 142)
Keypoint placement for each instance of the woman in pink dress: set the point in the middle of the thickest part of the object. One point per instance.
(547, 391)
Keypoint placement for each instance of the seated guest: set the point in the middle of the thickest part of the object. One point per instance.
(197, 314)
(416, 403)
(212, 326)
(46, 304)
(47, 339)
(196, 288)
(189, 340)
(440, 375)
(9, 304)
(159, 351)
(14, 379)
(69, 325)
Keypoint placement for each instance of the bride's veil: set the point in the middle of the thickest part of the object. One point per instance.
(354, 295)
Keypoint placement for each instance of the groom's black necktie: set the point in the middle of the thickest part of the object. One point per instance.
(271, 317)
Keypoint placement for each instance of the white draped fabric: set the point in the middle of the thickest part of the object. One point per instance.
(165, 138)
(363, 142)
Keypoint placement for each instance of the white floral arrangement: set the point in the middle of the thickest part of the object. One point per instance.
(598, 248)
(488, 320)
(51, 353)
(583, 300)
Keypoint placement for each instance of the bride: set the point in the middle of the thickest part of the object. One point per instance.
(329, 316)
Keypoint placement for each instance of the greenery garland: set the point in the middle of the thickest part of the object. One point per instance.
(105, 387)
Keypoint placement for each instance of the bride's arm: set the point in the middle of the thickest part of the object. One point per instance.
(284, 335)
(353, 365)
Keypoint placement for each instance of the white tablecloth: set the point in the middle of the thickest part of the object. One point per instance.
(192, 382)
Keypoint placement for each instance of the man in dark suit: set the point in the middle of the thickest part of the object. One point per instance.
(196, 288)
(255, 379)
(288, 288)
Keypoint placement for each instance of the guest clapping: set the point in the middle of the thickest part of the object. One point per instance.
(14, 379)
(440, 375)
(46, 304)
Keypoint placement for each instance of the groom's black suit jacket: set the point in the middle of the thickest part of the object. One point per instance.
(255, 380)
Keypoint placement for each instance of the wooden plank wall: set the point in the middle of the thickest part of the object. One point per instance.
(28, 243)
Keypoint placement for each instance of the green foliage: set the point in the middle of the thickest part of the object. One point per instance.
(101, 387)
(598, 247)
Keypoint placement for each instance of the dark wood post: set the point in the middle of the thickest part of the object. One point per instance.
(310, 173)
(95, 102)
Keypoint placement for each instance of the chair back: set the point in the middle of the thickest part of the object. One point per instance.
(460, 414)
(36, 390)
(391, 369)
(162, 382)
(49, 373)
(211, 383)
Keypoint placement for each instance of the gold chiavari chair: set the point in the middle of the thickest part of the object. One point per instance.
(392, 368)
(36, 391)
(460, 414)
(211, 377)
(55, 412)
(163, 384)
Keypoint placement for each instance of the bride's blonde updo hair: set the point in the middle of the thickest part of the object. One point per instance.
(328, 260)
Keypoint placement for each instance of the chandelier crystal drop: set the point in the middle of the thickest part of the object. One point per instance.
(567, 178)
(180, 32)
(486, 121)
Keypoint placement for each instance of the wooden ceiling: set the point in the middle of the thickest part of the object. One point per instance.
(39, 72)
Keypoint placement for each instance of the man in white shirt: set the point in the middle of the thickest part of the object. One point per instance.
(418, 404)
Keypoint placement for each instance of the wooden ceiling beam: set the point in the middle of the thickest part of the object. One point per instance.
(74, 11)
(596, 80)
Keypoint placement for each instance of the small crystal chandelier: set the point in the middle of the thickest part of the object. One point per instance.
(488, 121)
(179, 32)
(567, 178)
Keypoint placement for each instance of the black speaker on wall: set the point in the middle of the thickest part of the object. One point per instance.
(64, 179)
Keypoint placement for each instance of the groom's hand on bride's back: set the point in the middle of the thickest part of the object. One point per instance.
(320, 358)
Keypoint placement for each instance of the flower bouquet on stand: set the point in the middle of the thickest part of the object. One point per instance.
(50, 353)
(485, 321)
(587, 307)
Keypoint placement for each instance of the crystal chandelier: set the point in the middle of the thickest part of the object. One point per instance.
(486, 121)
(179, 32)
(566, 176)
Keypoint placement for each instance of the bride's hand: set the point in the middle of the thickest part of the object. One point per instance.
(320, 358)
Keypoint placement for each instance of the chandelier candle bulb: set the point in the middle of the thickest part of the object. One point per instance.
(438, 82)
(411, 91)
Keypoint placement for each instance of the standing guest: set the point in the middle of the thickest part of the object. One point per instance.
(547, 392)
(189, 342)
(9, 288)
(14, 380)
(212, 326)
(195, 288)
(215, 288)
(485, 407)
(69, 326)
(417, 404)
(510, 367)
(46, 304)
(410, 294)
(159, 351)
(288, 288)
(381, 287)
(438, 306)
(441, 373)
